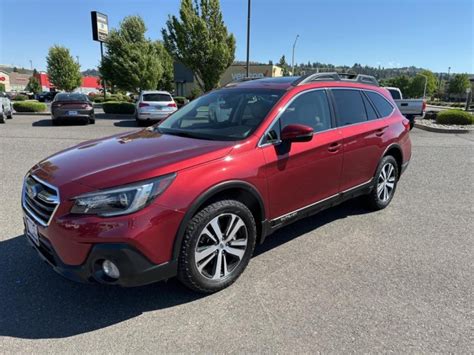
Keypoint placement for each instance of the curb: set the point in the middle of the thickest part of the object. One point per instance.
(442, 130)
(32, 113)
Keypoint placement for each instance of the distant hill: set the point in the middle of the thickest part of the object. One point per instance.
(90, 72)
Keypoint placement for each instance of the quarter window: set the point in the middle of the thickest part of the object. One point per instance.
(381, 104)
(349, 106)
(310, 109)
(371, 114)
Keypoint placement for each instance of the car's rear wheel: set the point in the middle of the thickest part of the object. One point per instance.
(386, 179)
(217, 246)
(92, 120)
(10, 114)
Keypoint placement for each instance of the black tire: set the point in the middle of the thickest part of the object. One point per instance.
(188, 272)
(55, 122)
(376, 198)
(92, 120)
(10, 115)
(2, 116)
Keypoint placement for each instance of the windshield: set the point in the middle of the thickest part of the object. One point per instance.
(227, 114)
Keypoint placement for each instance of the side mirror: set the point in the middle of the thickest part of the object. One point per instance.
(296, 133)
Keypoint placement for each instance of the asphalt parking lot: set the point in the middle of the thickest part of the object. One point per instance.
(398, 280)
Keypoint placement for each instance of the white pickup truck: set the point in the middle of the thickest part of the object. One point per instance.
(6, 108)
(409, 108)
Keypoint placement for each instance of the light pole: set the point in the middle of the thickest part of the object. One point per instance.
(293, 57)
(248, 39)
(426, 82)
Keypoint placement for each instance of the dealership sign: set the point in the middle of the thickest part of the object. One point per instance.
(100, 26)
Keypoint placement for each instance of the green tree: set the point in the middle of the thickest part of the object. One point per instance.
(417, 84)
(132, 62)
(284, 65)
(63, 71)
(200, 40)
(33, 85)
(458, 84)
(402, 82)
(166, 81)
(2, 87)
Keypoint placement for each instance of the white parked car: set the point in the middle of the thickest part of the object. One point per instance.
(6, 107)
(154, 106)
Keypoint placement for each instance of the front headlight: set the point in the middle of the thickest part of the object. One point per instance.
(122, 200)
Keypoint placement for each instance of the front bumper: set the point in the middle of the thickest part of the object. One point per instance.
(135, 268)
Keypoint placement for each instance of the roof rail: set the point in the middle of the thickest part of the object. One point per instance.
(360, 78)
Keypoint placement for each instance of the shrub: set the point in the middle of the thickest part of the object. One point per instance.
(20, 97)
(29, 106)
(456, 117)
(98, 99)
(180, 100)
(2, 87)
(118, 107)
(430, 115)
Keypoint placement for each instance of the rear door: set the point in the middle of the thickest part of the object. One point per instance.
(363, 136)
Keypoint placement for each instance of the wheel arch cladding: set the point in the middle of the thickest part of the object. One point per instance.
(235, 190)
(396, 152)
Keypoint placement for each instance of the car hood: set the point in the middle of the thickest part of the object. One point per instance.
(126, 158)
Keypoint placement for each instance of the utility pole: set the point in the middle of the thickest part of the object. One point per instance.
(101, 60)
(293, 57)
(248, 39)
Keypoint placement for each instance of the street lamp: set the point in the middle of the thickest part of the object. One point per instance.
(426, 82)
(248, 39)
(293, 57)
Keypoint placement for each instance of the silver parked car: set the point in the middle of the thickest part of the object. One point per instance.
(6, 107)
(154, 106)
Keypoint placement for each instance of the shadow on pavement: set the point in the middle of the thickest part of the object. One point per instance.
(48, 123)
(126, 123)
(36, 303)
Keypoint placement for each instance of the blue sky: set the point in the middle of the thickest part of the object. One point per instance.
(433, 34)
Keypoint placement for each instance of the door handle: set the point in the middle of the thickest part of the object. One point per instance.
(334, 147)
(380, 131)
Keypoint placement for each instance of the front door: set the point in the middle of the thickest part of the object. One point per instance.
(300, 174)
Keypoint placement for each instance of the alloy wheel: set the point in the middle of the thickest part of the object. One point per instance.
(386, 182)
(221, 246)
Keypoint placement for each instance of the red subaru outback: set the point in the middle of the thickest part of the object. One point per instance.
(192, 196)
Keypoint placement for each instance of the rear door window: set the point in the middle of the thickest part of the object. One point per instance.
(350, 106)
(157, 97)
(395, 94)
(381, 104)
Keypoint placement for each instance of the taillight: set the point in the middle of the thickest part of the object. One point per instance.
(56, 104)
(172, 104)
(423, 108)
(142, 104)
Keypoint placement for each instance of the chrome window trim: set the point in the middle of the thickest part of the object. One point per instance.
(321, 201)
(31, 214)
(260, 142)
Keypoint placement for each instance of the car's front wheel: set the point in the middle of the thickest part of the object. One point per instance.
(217, 246)
(385, 184)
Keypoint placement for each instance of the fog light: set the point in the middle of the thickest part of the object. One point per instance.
(110, 269)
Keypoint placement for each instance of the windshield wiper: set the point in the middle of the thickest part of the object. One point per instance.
(182, 134)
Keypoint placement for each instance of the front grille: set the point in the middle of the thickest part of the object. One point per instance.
(39, 199)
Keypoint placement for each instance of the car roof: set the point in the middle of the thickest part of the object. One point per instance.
(293, 82)
(155, 92)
